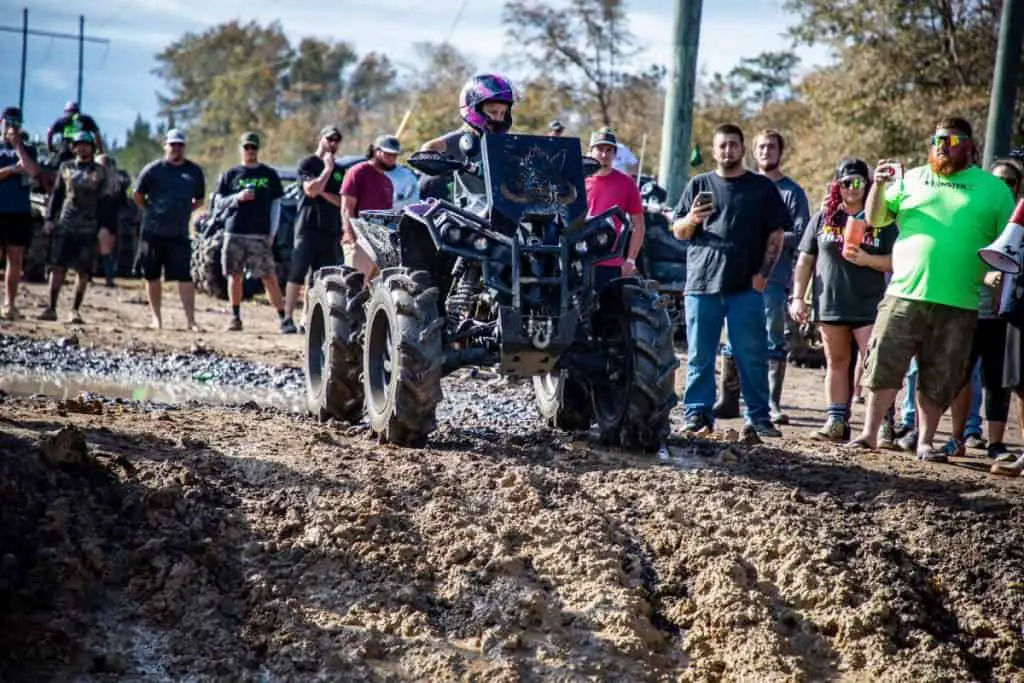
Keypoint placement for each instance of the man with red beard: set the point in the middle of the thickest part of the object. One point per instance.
(946, 211)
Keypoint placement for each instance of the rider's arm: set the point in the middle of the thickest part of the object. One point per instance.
(275, 217)
(435, 145)
(49, 139)
(56, 199)
(636, 240)
(348, 211)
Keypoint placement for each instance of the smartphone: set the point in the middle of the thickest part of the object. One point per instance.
(704, 197)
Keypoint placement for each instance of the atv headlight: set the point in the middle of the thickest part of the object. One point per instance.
(452, 234)
(602, 239)
(581, 247)
(480, 243)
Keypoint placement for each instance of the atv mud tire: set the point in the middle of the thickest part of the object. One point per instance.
(402, 356)
(632, 410)
(207, 270)
(334, 355)
(563, 401)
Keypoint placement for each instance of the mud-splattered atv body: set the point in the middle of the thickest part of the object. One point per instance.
(500, 277)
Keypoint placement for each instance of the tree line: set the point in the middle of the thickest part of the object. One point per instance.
(896, 67)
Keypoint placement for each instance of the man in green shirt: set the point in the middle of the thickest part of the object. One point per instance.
(947, 210)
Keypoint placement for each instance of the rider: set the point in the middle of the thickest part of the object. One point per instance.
(73, 121)
(485, 104)
(83, 202)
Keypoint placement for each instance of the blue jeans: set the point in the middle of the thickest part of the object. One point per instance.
(973, 425)
(744, 314)
(973, 418)
(775, 312)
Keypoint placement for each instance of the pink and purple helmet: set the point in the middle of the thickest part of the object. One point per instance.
(486, 88)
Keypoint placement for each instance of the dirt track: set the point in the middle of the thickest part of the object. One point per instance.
(250, 544)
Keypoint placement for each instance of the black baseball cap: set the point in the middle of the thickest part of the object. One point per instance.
(249, 138)
(12, 115)
(850, 167)
(556, 126)
(330, 132)
(604, 136)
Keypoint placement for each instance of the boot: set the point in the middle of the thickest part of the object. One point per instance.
(776, 376)
(109, 268)
(728, 405)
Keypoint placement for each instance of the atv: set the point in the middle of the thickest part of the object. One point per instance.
(504, 278)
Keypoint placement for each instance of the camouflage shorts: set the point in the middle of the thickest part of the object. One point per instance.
(940, 336)
(247, 253)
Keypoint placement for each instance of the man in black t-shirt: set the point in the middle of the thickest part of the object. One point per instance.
(736, 222)
(67, 126)
(318, 221)
(250, 195)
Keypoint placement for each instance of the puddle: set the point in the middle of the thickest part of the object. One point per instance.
(66, 385)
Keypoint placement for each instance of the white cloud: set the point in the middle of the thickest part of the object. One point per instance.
(49, 78)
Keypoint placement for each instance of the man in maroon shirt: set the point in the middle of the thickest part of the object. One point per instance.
(610, 187)
(368, 188)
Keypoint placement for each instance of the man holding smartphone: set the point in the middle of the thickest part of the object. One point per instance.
(17, 168)
(735, 242)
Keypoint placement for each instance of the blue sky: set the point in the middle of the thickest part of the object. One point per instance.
(119, 82)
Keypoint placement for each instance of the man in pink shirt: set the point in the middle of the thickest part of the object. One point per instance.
(609, 187)
(367, 187)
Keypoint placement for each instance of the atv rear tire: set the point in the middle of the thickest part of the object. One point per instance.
(563, 401)
(206, 268)
(334, 356)
(633, 410)
(402, 356)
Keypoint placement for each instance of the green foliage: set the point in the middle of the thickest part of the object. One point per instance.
(141, 146)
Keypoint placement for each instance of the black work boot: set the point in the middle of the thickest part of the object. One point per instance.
(776, 376)
(728, 405)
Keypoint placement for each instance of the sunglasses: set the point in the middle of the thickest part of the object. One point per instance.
(334, 139)
(950, 140)
(851, 183)
(250, 147)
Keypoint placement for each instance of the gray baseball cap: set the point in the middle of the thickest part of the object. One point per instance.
(388, 144)
(175, 136)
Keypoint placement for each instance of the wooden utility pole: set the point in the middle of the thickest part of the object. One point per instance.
(677, 125)
(1004, 85)
(25, 33)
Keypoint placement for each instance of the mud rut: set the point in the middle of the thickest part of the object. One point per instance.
(141, 541)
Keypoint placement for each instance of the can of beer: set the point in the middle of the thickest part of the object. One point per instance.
(853, 234)
(892, 170)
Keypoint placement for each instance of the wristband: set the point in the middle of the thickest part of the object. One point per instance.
(631, 261)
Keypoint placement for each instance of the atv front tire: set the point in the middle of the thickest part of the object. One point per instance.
(334, 388)
(206, 268)
(403, 356)
(632, 410)
(563, 401)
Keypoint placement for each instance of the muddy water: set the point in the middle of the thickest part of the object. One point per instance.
(66, 385)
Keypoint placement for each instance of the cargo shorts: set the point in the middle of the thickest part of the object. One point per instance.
(248, 253)
(939, 335)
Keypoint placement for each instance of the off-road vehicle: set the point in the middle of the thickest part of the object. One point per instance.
(501, 277)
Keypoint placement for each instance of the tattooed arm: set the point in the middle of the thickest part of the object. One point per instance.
(771, 256)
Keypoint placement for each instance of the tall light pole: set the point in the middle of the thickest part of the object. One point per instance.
(677, 126)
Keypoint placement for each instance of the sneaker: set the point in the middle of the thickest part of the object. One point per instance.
(954, 448)
(928, 454)
(902, 430)
(75, 318)
(886, 436)
(235, 325)
(997, 451)
(907, 442)
(1009, 467)
(833, 430)
(975, 441)
(288, 326)
(47, 314)
(11, 313)
(697, 423)
(762, 429)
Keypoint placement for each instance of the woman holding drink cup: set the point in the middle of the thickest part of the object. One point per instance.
(848, 259)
